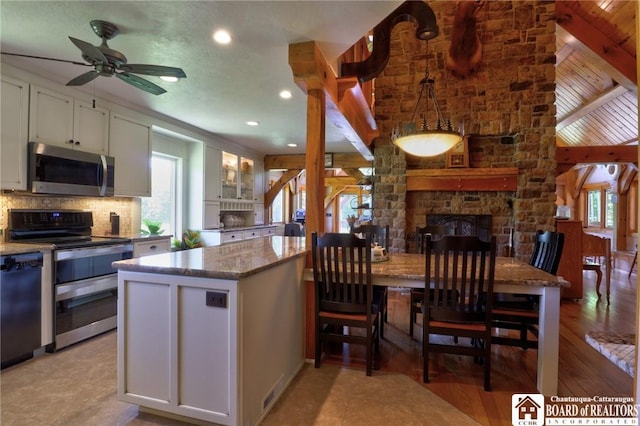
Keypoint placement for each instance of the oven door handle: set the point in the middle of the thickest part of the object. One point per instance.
(78, 253)
(86, 287)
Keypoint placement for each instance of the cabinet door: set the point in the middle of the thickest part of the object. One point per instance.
(258, 214)
(246, 178)
(51, 117)
(229, 176)
(212, 175)
(91, 128)
(211, 212)
(130, 144)
(13, 133)
(258, 183)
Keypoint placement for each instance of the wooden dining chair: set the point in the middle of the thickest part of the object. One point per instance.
(519, 311)
(345, 306)
(416, 297)
(459, 271)
(379, 234)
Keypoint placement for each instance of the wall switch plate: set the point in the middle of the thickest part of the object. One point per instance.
(216, 299)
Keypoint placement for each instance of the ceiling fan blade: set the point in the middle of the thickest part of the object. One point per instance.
(155, 70)
(141, 83)
(48, 59)
(83, 78)
(89, 50)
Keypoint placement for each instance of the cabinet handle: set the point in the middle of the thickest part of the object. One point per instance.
(153, 247)
(77, 143)
(70, 141)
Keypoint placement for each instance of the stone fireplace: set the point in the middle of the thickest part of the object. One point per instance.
(507, 108)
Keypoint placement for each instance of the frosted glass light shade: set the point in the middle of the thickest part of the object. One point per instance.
(428, 143)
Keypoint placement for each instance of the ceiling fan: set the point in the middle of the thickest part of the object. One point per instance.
(108, 62)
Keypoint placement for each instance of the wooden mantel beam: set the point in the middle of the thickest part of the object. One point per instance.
(567, 157)
(346, 105)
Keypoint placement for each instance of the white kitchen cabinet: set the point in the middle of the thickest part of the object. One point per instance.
(237, 177)
(130, 144)
(212, 176)
(58, 119)
(154, 246)
(14, 115)
(211, 215)
(210, 349)
(258, 183)
(258, 214)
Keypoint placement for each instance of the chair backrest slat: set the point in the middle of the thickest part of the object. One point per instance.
(342, 273)
(547, 251)
(459, 278)
(378, 233)
(436, 232)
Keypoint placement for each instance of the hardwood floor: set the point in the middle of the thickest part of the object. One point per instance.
(582, 370)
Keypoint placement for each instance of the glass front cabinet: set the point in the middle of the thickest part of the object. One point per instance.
(237, 177)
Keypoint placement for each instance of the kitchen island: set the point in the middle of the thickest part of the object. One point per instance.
(213, 334)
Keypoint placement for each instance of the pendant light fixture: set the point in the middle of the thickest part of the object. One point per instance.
(426, 141)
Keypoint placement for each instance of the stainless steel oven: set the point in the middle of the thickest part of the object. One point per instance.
(85, 291)
(84, 282)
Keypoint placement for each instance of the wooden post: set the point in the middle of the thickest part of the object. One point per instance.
(314, 162)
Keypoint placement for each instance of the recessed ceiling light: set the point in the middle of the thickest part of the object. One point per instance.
(292, 145)
(252, 123)
(285, 94)
(222, 37)
(169, 78)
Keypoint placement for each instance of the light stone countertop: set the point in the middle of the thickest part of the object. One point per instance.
(7, 249)
(408, 270)
(136, 237)
(508, 271)
(229, 261)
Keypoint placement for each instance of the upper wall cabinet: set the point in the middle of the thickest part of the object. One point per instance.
(13, 133)
(59, 120)
(237, 177)
(212, 178)
(130, 144)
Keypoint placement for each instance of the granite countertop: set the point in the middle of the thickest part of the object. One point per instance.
(19, 248)
(230, 261)
(137, 237)
(508, 271)
(408, 268)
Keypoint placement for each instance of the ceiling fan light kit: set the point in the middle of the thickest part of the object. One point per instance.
(108, 62)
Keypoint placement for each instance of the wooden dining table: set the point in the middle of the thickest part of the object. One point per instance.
(511, 276)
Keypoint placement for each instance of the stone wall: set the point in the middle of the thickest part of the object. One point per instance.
(512, 94)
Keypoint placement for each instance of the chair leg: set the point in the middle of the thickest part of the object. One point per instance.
(412, 318)
(598, 282)
(318, 345)
(487, 364)
(425, 353)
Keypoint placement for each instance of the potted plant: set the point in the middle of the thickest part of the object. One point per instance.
(190, 239)
(153, 227)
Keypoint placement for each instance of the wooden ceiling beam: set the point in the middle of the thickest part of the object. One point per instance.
(569, 156)
(590, 35)
(341, 160)
(272, 193)
(346, 106)
(591, 106)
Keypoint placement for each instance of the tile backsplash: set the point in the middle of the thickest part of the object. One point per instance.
(101, 207)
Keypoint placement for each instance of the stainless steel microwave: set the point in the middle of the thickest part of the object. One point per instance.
(63, 171)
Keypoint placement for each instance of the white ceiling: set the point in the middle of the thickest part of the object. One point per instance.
(225, 85)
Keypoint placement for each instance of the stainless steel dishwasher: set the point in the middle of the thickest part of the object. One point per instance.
(20, 310)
